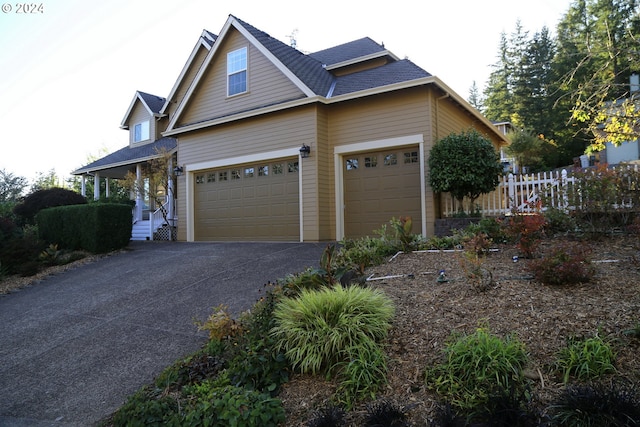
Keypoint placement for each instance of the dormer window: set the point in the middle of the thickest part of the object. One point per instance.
(237, 72)
(141, 131)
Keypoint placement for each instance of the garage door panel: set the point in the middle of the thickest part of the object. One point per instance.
(382, 186)
(256, 202)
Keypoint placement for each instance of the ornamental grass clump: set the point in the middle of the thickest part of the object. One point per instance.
(478, 366)
(336, 331)
(585, 359)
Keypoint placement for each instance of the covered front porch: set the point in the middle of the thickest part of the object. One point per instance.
(154, 200)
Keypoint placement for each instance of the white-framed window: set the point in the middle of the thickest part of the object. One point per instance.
(237, 72)
(141, 131)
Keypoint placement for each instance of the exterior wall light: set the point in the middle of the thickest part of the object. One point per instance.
(304, 151)
(178, 170)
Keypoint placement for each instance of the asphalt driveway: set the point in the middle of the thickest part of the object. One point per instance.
(75, 345)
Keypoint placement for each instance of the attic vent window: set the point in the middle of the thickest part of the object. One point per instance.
(141, 131)
(237, 72)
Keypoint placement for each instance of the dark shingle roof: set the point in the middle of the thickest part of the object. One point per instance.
(348, 51)
(395, 72)
(309, 70)
(155, 103)
(130, 155)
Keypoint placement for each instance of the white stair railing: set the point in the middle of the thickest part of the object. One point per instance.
(156, 219)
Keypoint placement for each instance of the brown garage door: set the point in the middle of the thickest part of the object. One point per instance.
(248, 202)
(379, 186)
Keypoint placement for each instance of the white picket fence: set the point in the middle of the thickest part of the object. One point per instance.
(525, 193)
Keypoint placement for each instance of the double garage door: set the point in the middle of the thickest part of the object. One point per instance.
(260, 201)
(248, 202)
(379, 186)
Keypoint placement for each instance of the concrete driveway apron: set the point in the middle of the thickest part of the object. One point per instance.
(75, 345)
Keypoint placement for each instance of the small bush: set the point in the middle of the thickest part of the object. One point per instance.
(145, 408)
(316, 328)
(526, 231)
(558, 221)
(476, 366)
(43, 199)
(235, 406)
(596, 405)
(328, 416)
(585, 359)
(19, 255)
(220, 324)
(564, 264)
(206, 363)
(385, 413)
(337, 330)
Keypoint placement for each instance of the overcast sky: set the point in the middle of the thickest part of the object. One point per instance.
(69, 70)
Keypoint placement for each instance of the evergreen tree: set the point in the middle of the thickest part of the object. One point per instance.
(474, 97)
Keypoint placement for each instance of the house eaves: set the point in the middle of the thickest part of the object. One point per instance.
(235, 23)
(342, 98)
(206, 40)
(128, 156)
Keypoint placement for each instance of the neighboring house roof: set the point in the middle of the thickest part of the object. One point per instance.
(152, 103)
(130, 155)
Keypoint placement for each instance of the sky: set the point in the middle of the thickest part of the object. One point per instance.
(70, 68)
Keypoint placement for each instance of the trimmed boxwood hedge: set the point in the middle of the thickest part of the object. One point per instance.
(96, 227)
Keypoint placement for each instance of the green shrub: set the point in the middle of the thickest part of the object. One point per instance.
(206, 363)
(316, 328)
(336, 331)
(596, 405)
(477, 366)
(96, 227)
(363, 370)
(233, 406)
(585, 359)
(564, 264)
(493, 228)
(146, 408)
(557, 221)
(19, 255)
(362, 253)
(43, 199)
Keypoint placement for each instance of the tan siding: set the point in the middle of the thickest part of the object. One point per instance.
(266, 85)
(187, 80)
(262, 134)
(379, 117)
(325, 181)
(138, 115)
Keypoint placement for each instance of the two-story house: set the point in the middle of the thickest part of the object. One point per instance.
(275, 144)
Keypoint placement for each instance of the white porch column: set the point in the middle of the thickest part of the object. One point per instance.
(96, 186)
(139, 190)
(170, 193)
(106, 181)
(83, 186)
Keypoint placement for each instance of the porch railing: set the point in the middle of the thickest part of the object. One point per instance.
(156, 219)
